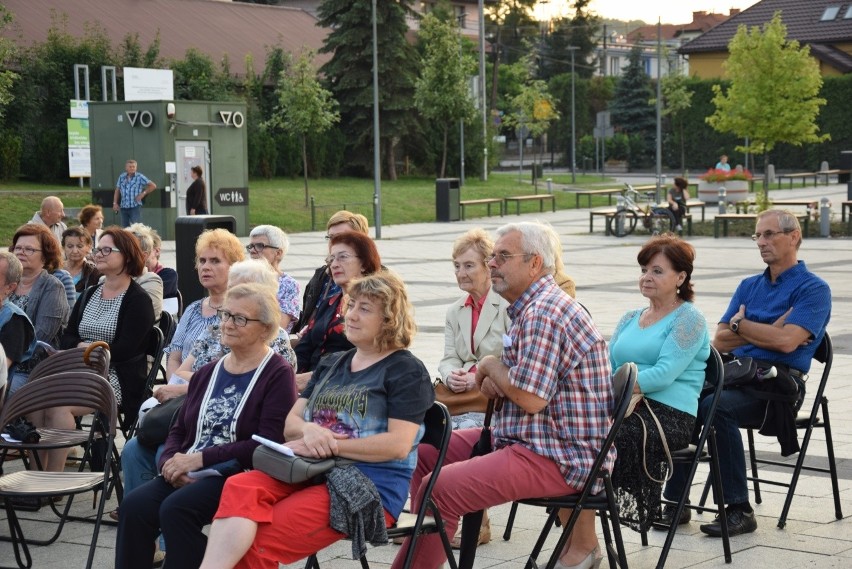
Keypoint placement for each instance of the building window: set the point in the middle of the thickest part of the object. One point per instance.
(830, 13)
(848, 15)
(615, 66)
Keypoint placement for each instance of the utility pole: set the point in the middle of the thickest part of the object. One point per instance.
(482, 102)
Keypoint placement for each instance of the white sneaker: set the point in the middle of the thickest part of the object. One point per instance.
(678, 227)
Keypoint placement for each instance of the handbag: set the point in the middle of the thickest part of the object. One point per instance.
(154, 429)
(293, 469)
(739, 372)
(472, 401)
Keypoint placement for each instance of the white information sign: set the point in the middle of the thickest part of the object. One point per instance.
(142, 84)
(79, 109)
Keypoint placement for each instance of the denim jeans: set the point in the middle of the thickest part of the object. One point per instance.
(735, 408)
(130, 215)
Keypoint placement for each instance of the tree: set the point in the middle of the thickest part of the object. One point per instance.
(677, 97)
(304, 106)
(773, 91)
(197, 79)
(442, 93)
(581, 32)
(7, 76)
(632, 112)
(349, 73)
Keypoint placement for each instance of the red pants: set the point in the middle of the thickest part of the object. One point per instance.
(470, 484)
(292, 519)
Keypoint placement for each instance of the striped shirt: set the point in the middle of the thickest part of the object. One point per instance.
(192, 326)
(554, 351)
(765, 302)
(130, 188)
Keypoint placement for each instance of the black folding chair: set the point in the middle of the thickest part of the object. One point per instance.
(78, 389)
(807, 421)
(128, 417)
(167, 326)
(714, 378)
(427, 519)
(603, 501)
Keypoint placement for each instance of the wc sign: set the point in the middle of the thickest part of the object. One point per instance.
(232, 196)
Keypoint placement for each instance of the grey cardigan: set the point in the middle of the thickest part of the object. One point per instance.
(47, 308)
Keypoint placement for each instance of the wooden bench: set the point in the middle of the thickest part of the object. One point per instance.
(485, 201)
(696, 203)
(608, 213)
(843, 207)
(835, 172)
(603, 192)
(799, 175)
(725, 218)
(540, 197)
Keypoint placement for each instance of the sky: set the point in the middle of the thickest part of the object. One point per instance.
(671, 11)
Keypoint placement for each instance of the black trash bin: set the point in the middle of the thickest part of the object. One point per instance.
(447, 196)
(845, 164)
(187, 230)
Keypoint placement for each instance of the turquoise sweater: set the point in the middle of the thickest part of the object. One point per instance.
(671, 355)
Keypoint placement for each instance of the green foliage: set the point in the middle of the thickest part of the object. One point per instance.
(773, 94)
(10, 156)
(581, 32)
(631, 109)
(198, 79)
(442, 95)
(7, 50)
(677, 98)
(349, 76)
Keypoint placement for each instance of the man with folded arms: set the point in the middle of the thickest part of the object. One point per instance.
(778, 316)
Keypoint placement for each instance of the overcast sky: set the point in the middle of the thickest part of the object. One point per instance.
(671, 11)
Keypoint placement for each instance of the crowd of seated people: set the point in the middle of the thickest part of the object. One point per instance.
(332, 376)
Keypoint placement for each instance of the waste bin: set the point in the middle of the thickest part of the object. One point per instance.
(187, 230)
(845, 164)
(537, 172)
(447, 196)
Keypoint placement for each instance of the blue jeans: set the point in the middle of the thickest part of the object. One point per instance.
(139, 464)
(735, 408)
(130, 215)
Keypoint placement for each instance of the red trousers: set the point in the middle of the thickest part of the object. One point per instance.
(293, 519)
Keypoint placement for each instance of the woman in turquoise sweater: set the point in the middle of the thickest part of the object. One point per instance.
(669, 343)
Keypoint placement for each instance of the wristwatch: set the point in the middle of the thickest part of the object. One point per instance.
(735, 325)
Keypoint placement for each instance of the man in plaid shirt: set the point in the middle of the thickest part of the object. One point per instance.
(130, 189)
(554, 380)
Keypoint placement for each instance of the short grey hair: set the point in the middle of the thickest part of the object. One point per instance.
(253, 271)
(14, 269)
(142, 233)
(269, 313)
(787, 221)
(275, 236)
(535, 240)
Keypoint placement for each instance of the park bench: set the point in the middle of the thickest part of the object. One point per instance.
(483, 201)
(609, 192)
(724, 218)
(608, 213)
(798, 175)
(835, 172)
(540, 197)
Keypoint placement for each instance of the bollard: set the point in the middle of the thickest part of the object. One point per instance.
(550, 185)
(824, 217)
(723, 193)
(619, 220)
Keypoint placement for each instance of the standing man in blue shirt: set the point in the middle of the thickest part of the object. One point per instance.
(778, 316)
(131, 188)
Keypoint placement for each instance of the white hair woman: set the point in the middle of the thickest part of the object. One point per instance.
(270, 243)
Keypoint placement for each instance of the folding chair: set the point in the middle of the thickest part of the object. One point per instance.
(128, 417)
(807, 421)
(439, 428)
(603, 501)
(693, 454)
(167, 326)
(79, 389)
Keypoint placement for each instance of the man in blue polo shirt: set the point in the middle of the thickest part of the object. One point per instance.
(779, 316)
(131, 188)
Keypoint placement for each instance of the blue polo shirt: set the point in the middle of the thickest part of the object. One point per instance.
(765, 302)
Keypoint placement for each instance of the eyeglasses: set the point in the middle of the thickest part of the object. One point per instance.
(501, 258)
(341, 258)
(105, 251)
(259, 247)
(769, 234)
(240, 321)
(25, 250)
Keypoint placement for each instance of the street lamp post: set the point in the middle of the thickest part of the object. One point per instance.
(573, 122)
(377, 175)
(482, 90)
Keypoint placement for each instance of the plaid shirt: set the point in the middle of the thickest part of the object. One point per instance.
(130, 188)
(555, 352)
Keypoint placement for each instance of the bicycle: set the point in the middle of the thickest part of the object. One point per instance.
(655, 219)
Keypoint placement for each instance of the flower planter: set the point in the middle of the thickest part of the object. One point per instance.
(735, 191)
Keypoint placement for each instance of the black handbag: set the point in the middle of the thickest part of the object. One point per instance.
(154, 426)
(739, 372)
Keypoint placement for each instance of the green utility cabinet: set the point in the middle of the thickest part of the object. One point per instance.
(168, 138)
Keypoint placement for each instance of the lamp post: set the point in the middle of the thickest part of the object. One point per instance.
(572, 49)
(484, 107)
(377, 175)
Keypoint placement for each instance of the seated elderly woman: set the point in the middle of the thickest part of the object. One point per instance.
(270, 243)
(39, 294)
(351, 255)
(148, 280)
(249, 391)
(215, 251)
(669, 343)
(91, 218)
(262, 522)
(168, 276)
(116, 311)
(77, 244)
